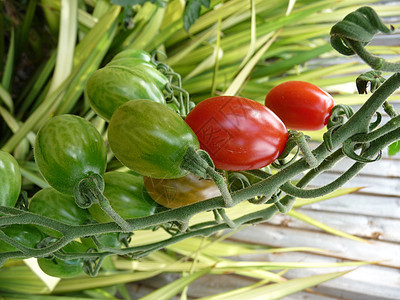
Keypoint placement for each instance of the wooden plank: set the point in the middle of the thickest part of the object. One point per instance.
(374, 185)
(368, 282)
(361, 204)
(278, 236)
(382, 168)
(368, 227)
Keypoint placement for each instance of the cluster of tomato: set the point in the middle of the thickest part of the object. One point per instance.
(151, 139)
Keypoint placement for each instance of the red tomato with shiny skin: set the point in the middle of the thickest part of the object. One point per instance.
(238, 133)
(300, 105)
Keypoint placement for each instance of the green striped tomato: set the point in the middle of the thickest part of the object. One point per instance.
(68, 149)
(10, 180)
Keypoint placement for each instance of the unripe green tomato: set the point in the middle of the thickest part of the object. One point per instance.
(27, 235)
(151, 139)
(178, 192)
(10, 180)
(112, 86)
(133, 53)
(52, 204)
(127, 197)
(68, 149)
(64, 268)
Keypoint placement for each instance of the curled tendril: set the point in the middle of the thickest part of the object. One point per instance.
(125, 238)
(339, 114)
(349, 148)
(373, 77)
(238, 181)
(282, 161)
(359, 26)
(91, 265)
(376, 123)
(82, 192)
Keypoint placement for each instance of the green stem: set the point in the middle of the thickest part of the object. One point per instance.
(301, 142)
(375, 62)
(90, 190)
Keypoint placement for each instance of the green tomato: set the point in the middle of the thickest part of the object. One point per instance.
(52, 204)
(127, 197)
(68, 149)
(64, 268)
(133, 53)
(110, 87)
(27, 235)
(150, 139)
(10, 178)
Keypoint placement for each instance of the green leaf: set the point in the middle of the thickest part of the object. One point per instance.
(313, 222)
(279, 290)
(192, 11)
(134, 2)
(394, 148)
(172, 289)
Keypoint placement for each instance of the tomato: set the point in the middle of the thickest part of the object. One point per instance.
(133, 54)
(109, 87)
(126, 196)
(151, 139)
(300, 105)
(178, 192)
(52, 204)
(238, 133)
(129, 75)
(64, 268)
(27, 235)
(68, 149)
(10, 178)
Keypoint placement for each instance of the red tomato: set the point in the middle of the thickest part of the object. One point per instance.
(300, 105)
(238, 133)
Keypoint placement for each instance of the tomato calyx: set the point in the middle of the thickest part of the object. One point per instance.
(200, 164)
(90, 190)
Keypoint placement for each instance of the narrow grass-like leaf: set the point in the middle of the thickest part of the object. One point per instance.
(22, 35)
(111, 278)
(170, 290)
(9, 66)
(5, 97)
(302, 217)
(279, 290)
(66, 43)
(240, 79)
(36, 84)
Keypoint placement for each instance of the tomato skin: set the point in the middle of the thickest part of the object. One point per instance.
(133, 54)
(109, 87)
(238, 133)
(150, 139)
(300, 105)
(68, 149)
(10, 178)
(178, 192)
(27, 235)
(126, 196)
(52, 204)
(64, 268)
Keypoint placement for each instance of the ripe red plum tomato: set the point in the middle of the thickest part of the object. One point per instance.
(238, 133)
(300, 105)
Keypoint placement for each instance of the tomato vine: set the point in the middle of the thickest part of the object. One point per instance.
(356, 135)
